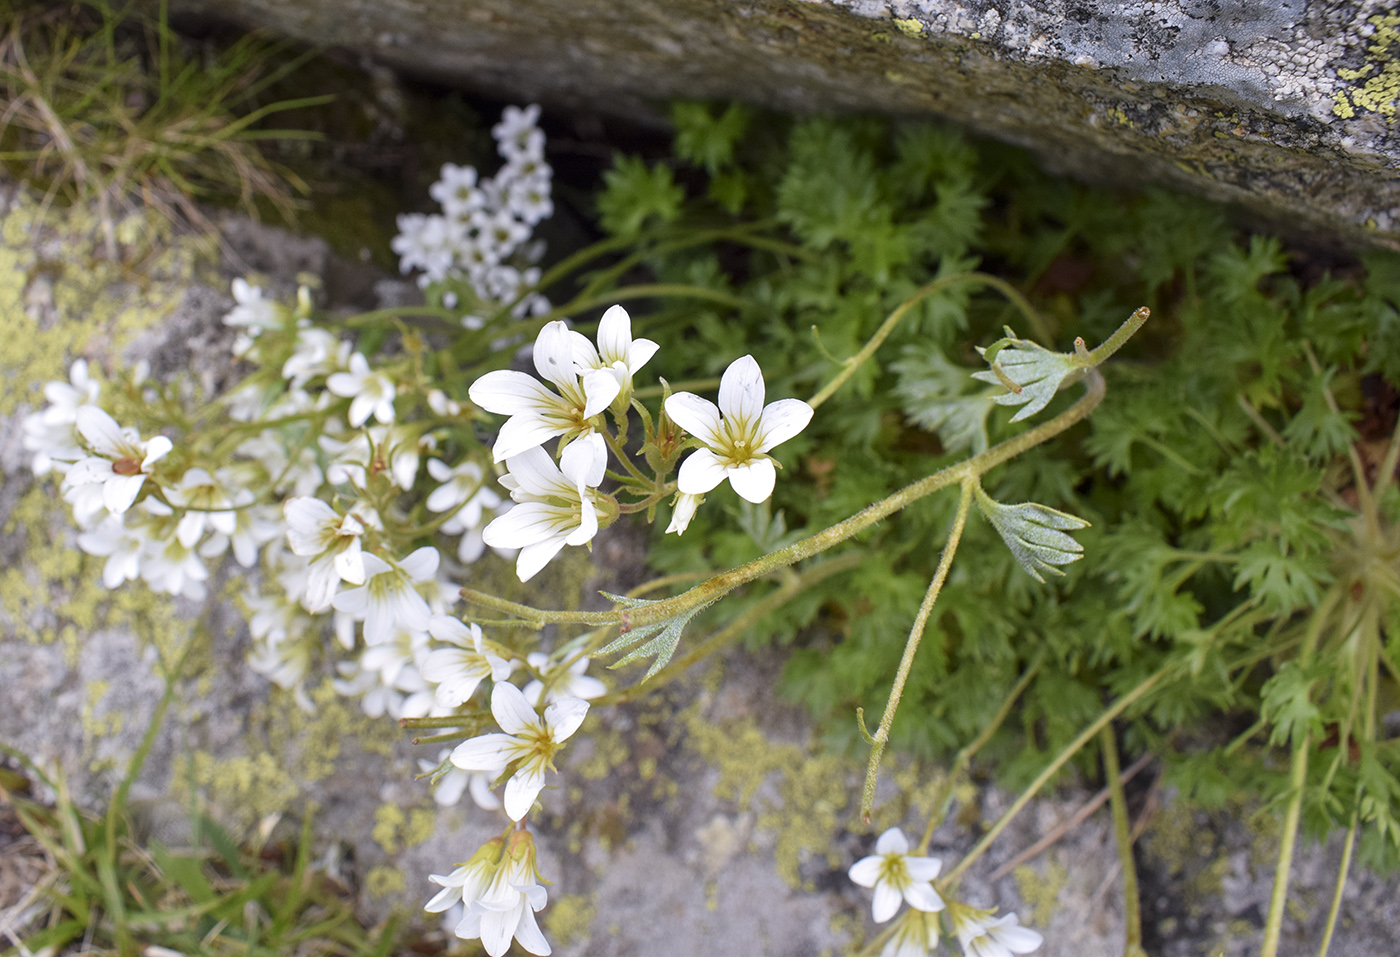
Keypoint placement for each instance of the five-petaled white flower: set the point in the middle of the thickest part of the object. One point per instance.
(529, 743)
(121, 464)
(537, 414)
(372, 393)
(895, 875)
(737, 434)
(557, 504)
(983, 935)
(573, 683)
(331, 541)
(388, 598)
(457, 671)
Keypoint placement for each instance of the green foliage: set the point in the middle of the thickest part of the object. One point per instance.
(637, 193)
(1232, 539)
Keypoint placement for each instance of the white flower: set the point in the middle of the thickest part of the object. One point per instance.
(895, 875)
(557, 504)
(206, 503)
(317, 352)
(618, 352)
(457, 671)
(573, 683)
(529, 743)
(122, 461)
(537, 414)
(982, 935)
(372, 450)
(737, 434)
(331, 541)
(500, 889)
(388, 597)
(448, 789)
(456, 191)
(120, 544)
(915, 934)
(50, 433)
(372, 393)
(252, 311)
(514, 134)
(683, 512)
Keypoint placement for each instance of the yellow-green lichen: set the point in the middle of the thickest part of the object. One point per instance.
(911, 27)
(384, 881)
(311, 742)
(812, 788)
(395, 830)
(241, 790)
(1376, 84)
(570, 919)
(1041, 892)
(94, 725)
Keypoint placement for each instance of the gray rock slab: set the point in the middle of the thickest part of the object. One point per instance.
(1286, 108)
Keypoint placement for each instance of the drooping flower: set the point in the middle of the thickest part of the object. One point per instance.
(895, 875)
(737, 434)
(371, 393)
(915, 934)
(536, 413)
(683, 511)
(983, 935)
(500, 890)
(458, 670)
(529, 744)
(557, 505)
(122, 461)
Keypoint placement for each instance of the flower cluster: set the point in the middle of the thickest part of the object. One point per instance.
(898, 877)
(481, 239)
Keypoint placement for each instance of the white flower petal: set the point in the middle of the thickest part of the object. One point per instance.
(120, 491)
(754, 482)
(922, 896)
(585, 461)
(741, 391)
(600, 387)
(555, 354)
(488, 752)
(892, 841)
(521, 790)
(511, 711)
(700, 473)
(781, 421)
(866, 871)
(532, 558)
(507, 392)
(564, 717)
(101, 431)
(886, 903)
(614, 335)
(700, 417)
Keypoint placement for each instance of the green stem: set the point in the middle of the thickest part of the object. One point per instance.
(911, 647)
(1297, 780)
(1053, 768)
(770, 603)
(1132, 906)
(900, 311)
(1336, 906)
(1120, 336)
(720, 585)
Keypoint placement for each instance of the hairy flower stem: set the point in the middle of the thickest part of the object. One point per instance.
(960, 764)
(1132, 907)
(720, 585)
(911, 648)
(1053, 768)
(1120, 336)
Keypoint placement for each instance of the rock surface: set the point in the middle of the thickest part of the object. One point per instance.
(1287, 109)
